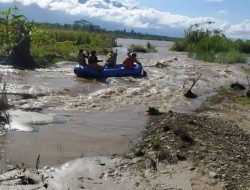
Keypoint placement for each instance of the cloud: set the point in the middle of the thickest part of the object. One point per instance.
(223, 11)
(144, 18)
(130, 3)
(214, 1)
(108, 10)
(240, 30)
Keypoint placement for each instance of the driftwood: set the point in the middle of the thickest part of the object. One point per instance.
(3, 99)
(153, 163)
(248, 90)
(153, 111)
(23, 95)
(38, 162)
(189, 93)
(24, 180)
(160, 65)
(248, 82)
(183, 86)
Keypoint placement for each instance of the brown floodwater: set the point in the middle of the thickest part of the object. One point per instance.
(71, 135)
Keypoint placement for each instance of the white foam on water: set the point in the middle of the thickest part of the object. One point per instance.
(19, 127)
(23, 121)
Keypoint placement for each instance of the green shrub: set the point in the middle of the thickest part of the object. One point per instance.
(180, 45)
(211, 46)
(137, 48)
(13, 28)
(214, 100)
(50, 46)
(242, 46)
(232, 56)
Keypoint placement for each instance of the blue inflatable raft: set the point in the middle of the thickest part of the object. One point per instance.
(118, 71)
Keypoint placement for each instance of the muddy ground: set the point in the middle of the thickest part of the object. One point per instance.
(216, 148)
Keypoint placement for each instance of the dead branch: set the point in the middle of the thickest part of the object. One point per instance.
(194, 82)
(183, 87)
(23, 95)
(248, 82)
(189, 93)
(38, 162)
(153, 162)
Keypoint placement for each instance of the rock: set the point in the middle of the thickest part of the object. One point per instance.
(160, 65)
(24, 180)
(190, 94)
(181, 156)
(166, 128)
(45, 186)
(248, 94)
(218, 170)
(212, 174)
(153, 111)
(139, 152)
(194, 122)
(3, 59)
(237, 86)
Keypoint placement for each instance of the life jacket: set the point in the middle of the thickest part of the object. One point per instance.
(92, 60)
(129, 63)
(96, 66)
(93, 63)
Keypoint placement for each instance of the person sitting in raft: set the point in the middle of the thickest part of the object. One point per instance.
(93, 60)
(81, 57)
(129, 62)
(111, 59)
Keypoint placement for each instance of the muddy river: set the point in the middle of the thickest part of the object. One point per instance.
(71, 117)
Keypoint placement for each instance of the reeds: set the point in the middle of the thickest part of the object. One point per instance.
(212, 46)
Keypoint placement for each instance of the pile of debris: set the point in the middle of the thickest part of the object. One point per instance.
(215, 147)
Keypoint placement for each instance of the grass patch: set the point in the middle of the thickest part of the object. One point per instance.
(138, 48)
(242, 46)
(229, 96)
(247, 70)
(222, 89)
(222, 92)
(214, 100)
(243, 100)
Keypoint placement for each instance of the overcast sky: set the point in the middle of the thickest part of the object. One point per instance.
(154, 16)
